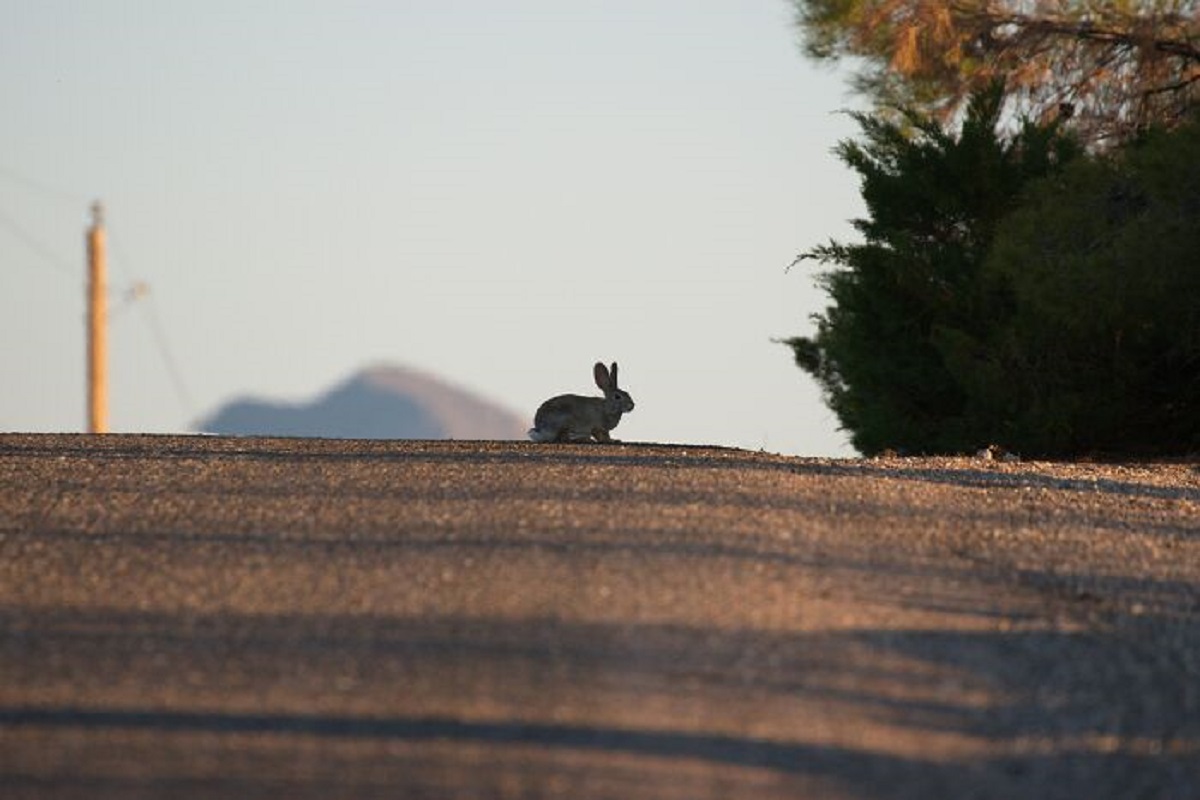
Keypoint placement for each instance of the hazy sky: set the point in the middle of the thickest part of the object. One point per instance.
(500, 193)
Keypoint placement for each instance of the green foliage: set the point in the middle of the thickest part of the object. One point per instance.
(1014, 291)
(911, 298)
(1102, 265)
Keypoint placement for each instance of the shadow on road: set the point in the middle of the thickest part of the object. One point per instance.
(1054, 686)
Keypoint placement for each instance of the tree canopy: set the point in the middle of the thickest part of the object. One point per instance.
(1013, 289)
(1114, 68)
(910, 294)
(1102, 266)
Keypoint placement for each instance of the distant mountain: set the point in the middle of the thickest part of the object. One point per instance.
(383, 402)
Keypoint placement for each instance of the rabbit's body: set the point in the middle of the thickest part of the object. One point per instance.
(574, 418)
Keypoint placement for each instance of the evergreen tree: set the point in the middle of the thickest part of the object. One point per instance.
(1102, 268)
(910, 298)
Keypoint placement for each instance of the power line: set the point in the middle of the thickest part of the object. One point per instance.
(42, 187)
(12, 176)
(140, 294)
(65, 266)
(48, 255)
(164, 351)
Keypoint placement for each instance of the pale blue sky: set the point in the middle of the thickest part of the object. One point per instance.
(496, 192)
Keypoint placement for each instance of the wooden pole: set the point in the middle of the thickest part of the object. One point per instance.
(97, 324)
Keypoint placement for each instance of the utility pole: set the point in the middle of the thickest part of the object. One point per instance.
(97, 324)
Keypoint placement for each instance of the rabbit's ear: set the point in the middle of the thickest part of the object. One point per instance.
(613, 374)
(601, 374)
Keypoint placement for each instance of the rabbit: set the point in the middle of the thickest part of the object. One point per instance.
(573, 418)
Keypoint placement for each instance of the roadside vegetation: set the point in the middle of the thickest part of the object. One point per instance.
(1028, 271)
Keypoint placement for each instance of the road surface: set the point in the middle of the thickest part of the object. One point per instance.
(193, 617)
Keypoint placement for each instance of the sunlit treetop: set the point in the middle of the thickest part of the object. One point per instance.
(1113, 68)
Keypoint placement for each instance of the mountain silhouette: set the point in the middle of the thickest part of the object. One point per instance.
(382, 402)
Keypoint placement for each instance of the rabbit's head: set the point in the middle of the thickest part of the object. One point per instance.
(616, 400)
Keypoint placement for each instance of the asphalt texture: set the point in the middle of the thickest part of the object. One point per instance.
(193, 617)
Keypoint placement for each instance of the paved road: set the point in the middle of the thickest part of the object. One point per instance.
(192, 617)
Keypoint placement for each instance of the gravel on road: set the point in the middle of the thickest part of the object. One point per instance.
(186, 617)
